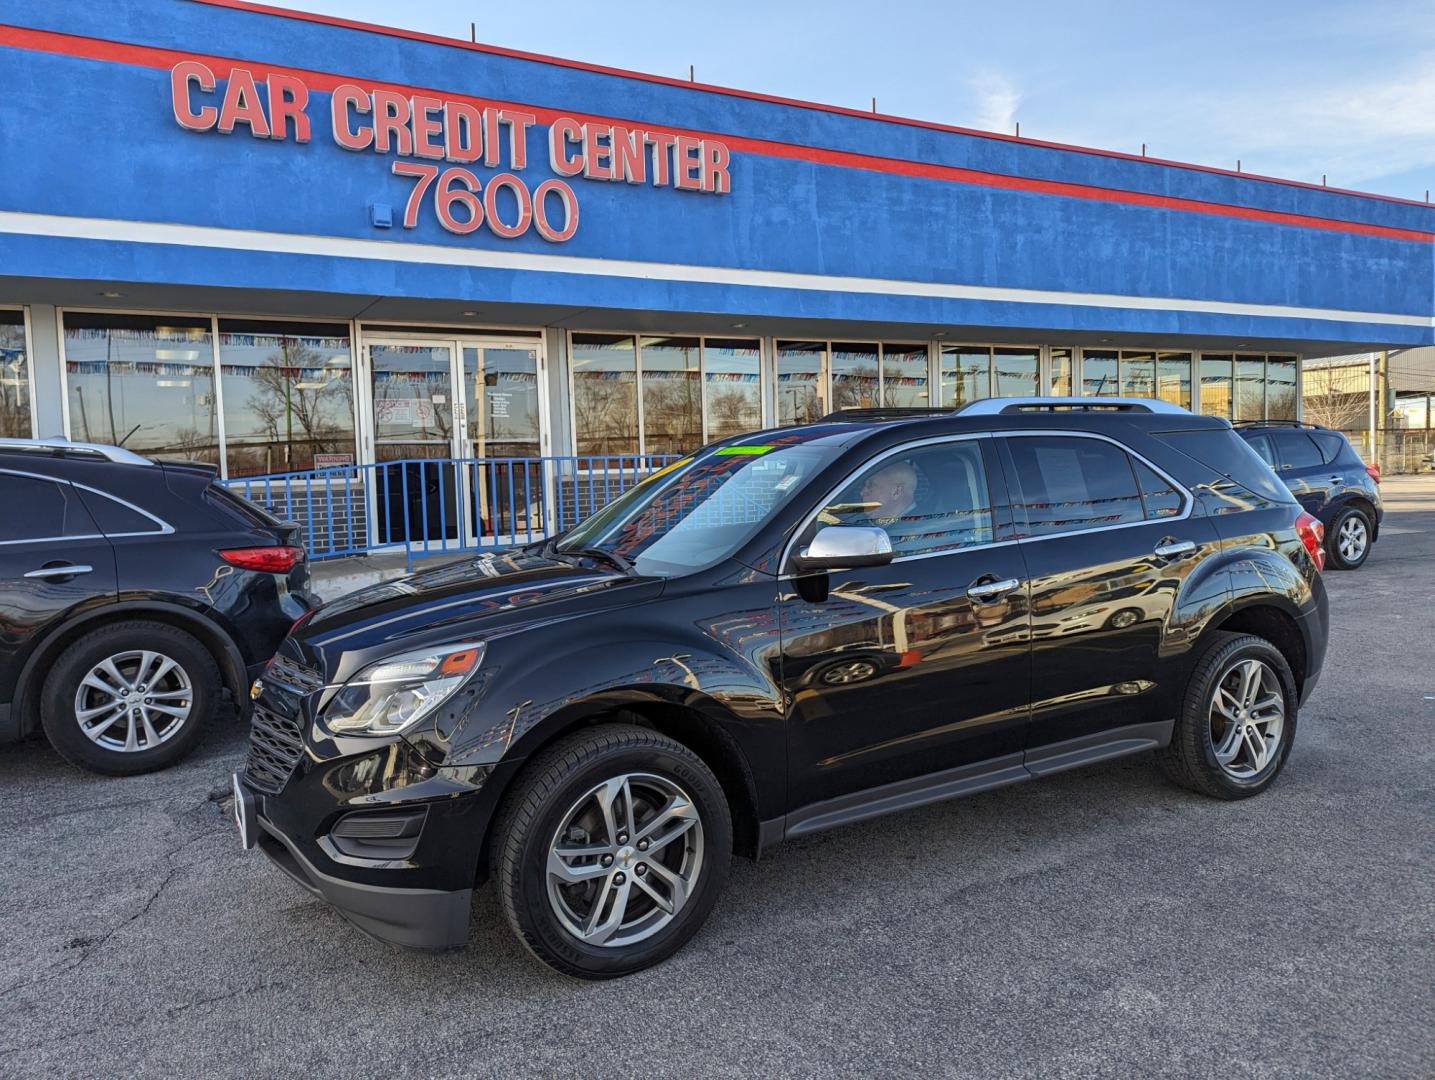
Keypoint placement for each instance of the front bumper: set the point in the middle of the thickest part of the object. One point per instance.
(418, 897)
(412, 918)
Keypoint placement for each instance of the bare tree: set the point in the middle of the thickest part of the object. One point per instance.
(1335, 398)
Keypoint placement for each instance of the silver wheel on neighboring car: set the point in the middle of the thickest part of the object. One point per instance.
(133, 701)
(625, 860)
(1247, 718)
(1352, 538)
(851, 672)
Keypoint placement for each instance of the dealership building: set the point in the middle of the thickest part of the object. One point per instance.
(281, 242)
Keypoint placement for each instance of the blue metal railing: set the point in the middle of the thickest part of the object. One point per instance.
(434, 505)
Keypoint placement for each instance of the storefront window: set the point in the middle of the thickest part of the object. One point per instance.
(1250, 388)
(672, 395)
(142, 382)
(1138, 374)
(1216, 384)
(288, 396)
(1061, 372)
(799, 382)
(966, 374)
(854, 376)
(605, 398)
(1173, 378)
(1099, 373)
(733, 387)
(1280, 387)
(14, 377)
(904, 376)
(1016, 372)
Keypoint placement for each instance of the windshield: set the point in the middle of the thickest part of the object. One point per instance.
(701, 509)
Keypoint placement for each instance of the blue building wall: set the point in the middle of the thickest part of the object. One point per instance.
(808, 230)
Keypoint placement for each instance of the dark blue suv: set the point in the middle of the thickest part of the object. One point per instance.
(1329, 478)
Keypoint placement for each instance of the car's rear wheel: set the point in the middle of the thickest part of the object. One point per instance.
(611, 851)
(1348, 542)
(129, 698)
(1238, 720)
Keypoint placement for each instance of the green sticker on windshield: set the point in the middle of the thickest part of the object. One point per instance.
(747, 451)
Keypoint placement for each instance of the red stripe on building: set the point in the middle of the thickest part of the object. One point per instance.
(154, 57)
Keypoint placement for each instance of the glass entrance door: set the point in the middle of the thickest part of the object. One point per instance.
(418, 489)
(504, 436)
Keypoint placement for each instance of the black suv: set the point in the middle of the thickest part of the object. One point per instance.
(1330, 480)
(132, 594)
(781, 633)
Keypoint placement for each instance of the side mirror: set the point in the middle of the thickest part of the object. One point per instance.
(845, 547)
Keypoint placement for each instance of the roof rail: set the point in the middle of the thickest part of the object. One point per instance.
(1006, 406)
(891, 412)
(62, 447)
(1280, 423)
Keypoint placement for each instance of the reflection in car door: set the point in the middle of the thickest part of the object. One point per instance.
(1109, 544)
(920, 666)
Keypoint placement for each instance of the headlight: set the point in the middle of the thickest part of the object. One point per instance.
(399, 691)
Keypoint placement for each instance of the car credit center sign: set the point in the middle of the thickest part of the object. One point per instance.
(422, 130)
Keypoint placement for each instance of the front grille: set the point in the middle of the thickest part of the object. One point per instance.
(275, 745)
(292, 675)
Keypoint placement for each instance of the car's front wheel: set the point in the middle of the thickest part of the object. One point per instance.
(611, 850)
(129, 697)
(1348, 542)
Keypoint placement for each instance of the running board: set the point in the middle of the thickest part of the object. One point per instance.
(969, 779)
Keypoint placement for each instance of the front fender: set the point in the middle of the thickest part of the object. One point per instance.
(526, 697)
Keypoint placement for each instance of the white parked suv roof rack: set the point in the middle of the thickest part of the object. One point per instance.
(64, 446)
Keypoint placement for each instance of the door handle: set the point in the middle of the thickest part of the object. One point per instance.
(59, 571)
(1173, 549)
(990, 590)
(1336, 479)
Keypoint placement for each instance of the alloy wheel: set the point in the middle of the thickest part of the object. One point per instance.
(1247, 718)
(133, 701)
(854, 671)
(1352, 538)
(625, 860)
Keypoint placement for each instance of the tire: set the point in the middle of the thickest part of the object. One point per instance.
(555, 798)
(1356, 523)
(1193, 758)
(187, 674)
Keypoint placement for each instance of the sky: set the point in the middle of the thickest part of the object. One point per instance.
(1290, 89)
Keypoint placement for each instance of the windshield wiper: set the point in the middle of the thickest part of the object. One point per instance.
(622, 562)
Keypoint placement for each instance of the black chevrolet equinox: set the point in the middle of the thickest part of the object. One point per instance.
(784, 632)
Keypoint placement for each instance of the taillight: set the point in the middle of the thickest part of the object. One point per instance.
(1373, 471)
(269, 560)
(1312, 535)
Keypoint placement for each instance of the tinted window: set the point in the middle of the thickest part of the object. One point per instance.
(929, 499)
(1230, 455)
(1296, 450)
(1157, 494)
(114, 517)
(1064, 484)
(1261, 445)
(1330, 444)
(51, 510)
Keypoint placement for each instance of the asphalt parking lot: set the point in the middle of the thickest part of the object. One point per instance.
(1097, 923)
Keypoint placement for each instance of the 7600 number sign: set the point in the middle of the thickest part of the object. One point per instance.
(464, 204)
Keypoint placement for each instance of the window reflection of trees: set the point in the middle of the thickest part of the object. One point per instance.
(293, 404)
(14, 377)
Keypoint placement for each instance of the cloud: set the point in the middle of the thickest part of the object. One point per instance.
(997, 99)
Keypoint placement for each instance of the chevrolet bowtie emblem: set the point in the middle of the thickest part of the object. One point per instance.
(256, 689)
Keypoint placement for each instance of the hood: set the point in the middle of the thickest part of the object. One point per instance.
(474, 597)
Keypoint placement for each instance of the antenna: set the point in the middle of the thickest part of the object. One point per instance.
(473, 32)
